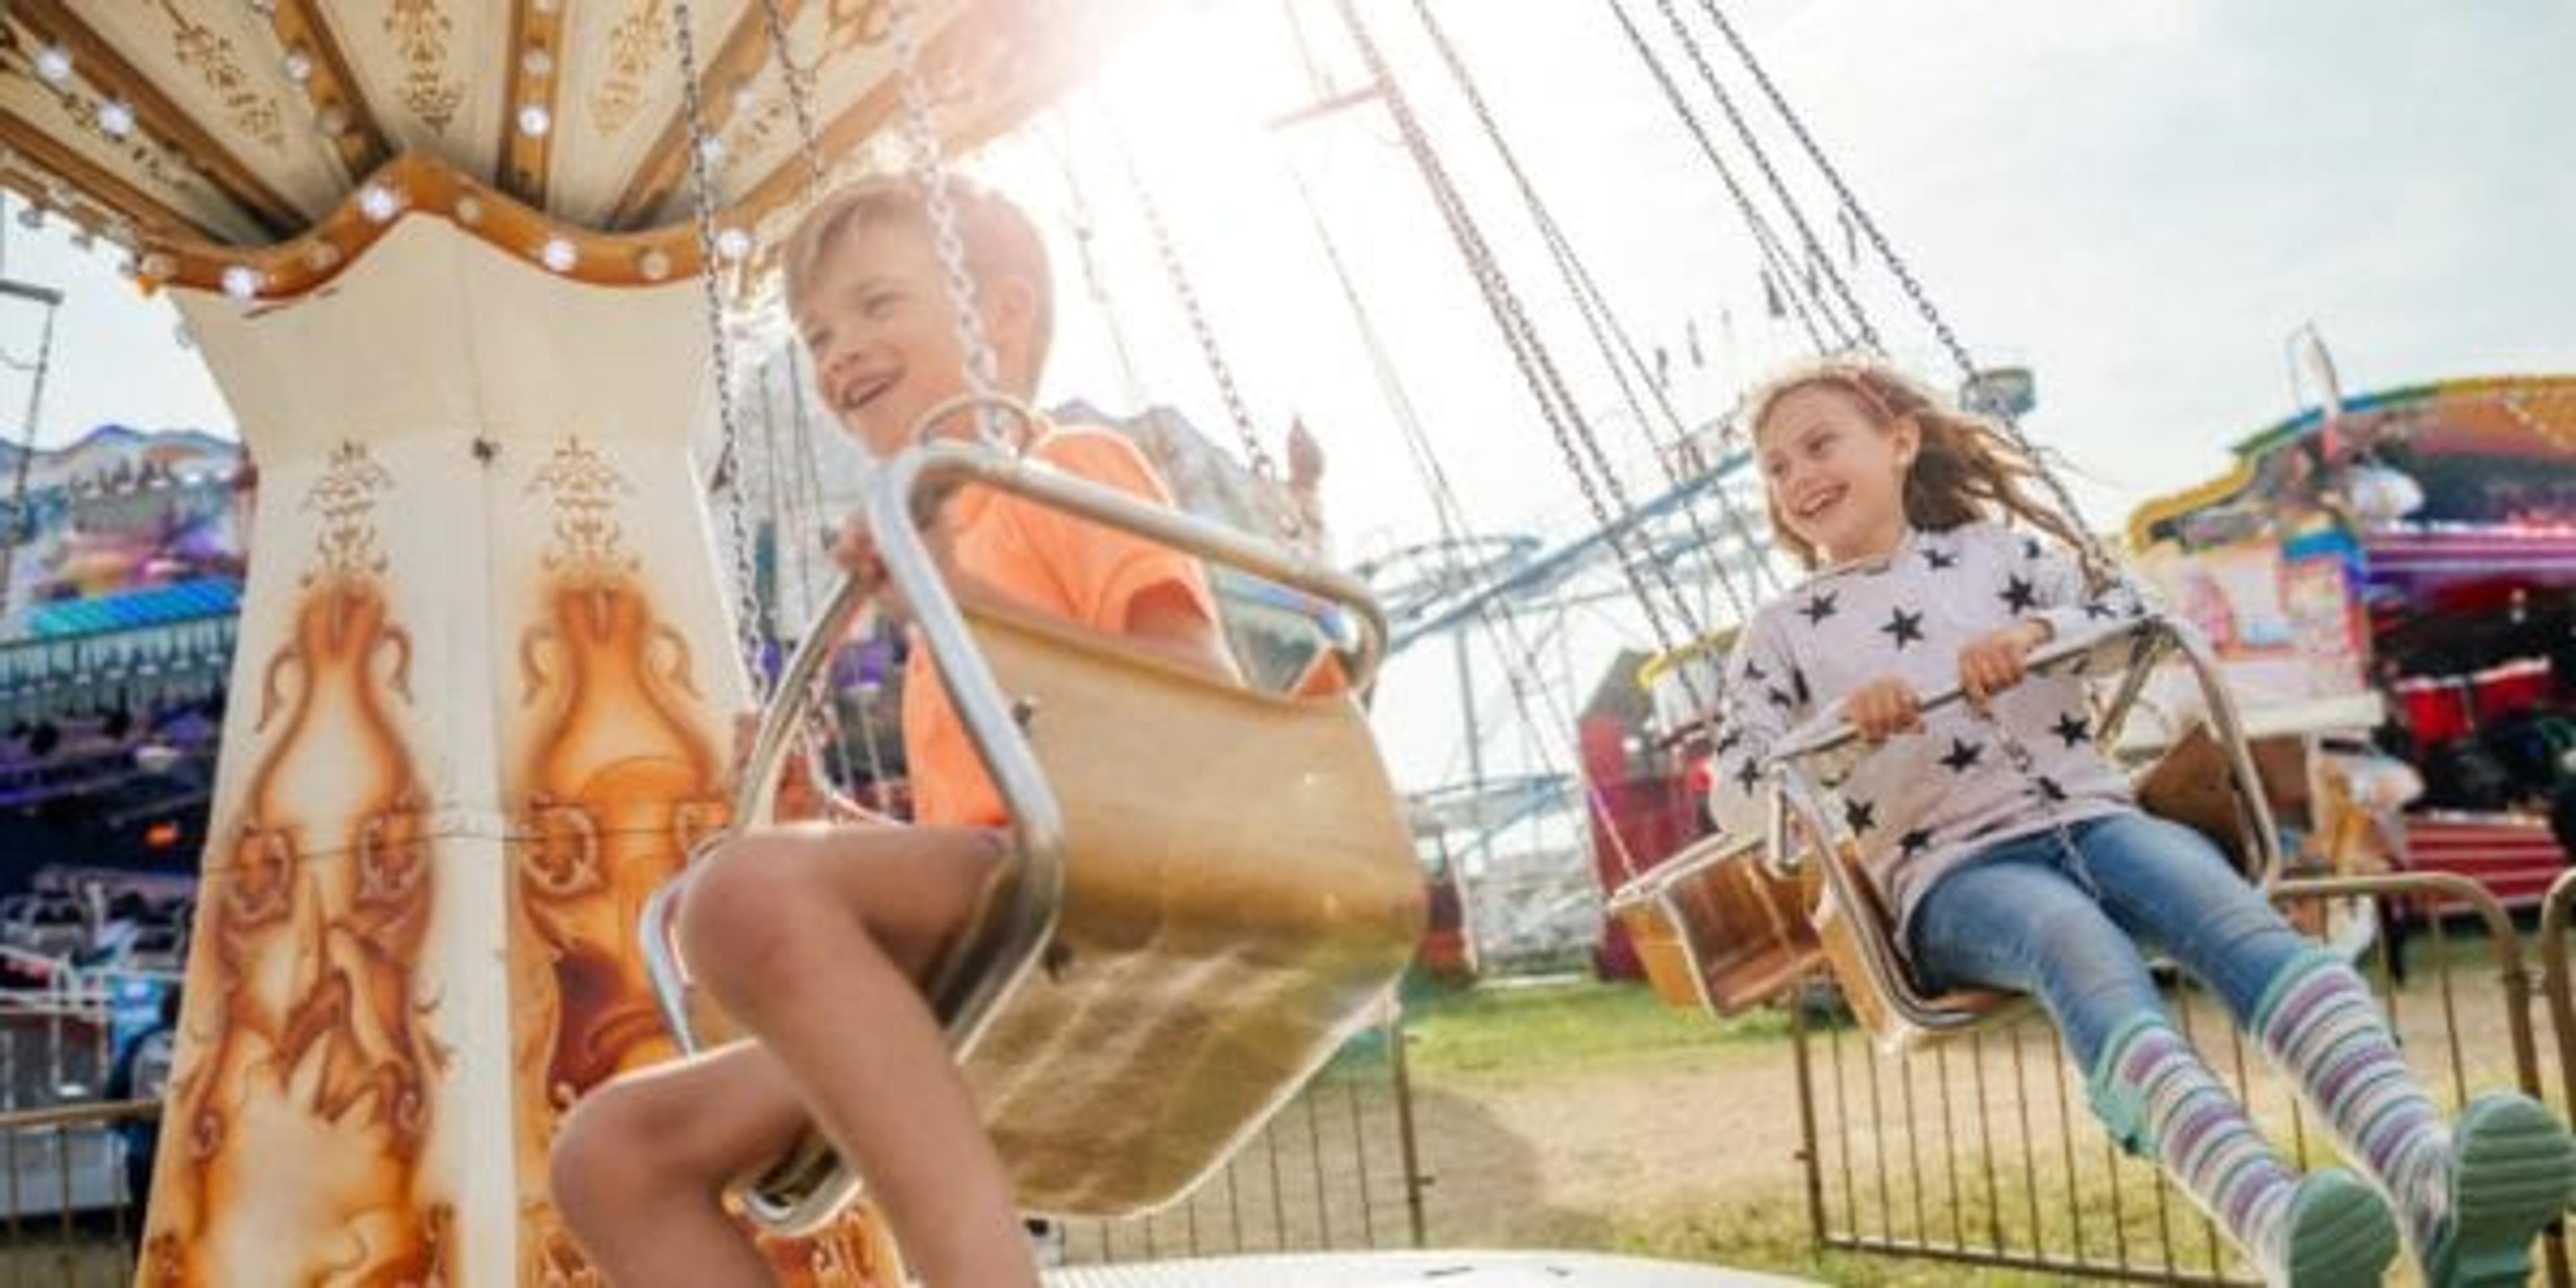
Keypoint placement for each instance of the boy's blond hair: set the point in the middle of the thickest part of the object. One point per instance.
(997, 236)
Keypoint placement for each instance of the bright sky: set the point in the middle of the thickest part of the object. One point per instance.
(2140, 199)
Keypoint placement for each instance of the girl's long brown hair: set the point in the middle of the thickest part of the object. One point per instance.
(1965, 469)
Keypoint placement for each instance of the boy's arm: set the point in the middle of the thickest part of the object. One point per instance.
(1166, 620)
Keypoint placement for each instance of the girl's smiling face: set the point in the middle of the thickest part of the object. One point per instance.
(1836, 476)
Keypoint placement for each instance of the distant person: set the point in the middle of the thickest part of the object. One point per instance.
(142, 1072)
(2015, 856)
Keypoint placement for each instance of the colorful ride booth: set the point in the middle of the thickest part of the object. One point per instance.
(2390, 586)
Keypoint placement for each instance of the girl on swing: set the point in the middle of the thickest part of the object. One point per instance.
(2041, 876)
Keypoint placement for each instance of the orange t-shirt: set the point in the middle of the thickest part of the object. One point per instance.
(1047, 561)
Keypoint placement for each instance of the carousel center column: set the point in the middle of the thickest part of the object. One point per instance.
(479, 710)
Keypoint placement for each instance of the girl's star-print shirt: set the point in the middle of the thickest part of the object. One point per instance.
(1921, 803)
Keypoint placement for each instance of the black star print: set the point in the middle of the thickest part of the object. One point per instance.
(1860, 816)
(1728, 741)
(2096, 610)
(2019, 595)
(2074, 729)
(1748, 775)
(1753, 671)
(1798, 685)
(1913, 843)
(1820, 606)
(1963, 755)
(1780, 699)
(1906, 627)
(2049, 790)
(2030, 547)
(1940, 560)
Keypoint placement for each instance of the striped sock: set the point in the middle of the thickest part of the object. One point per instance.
(2155, 1093)
(2322, 1026)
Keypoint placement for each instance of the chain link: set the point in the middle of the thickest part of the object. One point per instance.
(2097, 559)
(1537, 368)
(731, 466)
(1816, 256)
(1765, 241)
(799, 83)
(1608, 337)
(929, 158)
(1168, 251)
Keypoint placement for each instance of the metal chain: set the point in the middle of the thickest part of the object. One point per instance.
(1537, 368)
(1602, 323)
(1816, 256)
(983, 369)
(798, 81)
(1517, 652)
(1086, 230)
(1168, 251)
(730, 464)
(2096, 558)
(823, 716)
(794, 524)
(1765, 241)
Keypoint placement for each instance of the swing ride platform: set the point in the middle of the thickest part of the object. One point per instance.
(1396, 1269)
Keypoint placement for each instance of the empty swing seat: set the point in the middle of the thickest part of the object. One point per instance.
(1239, 892)
(1716, 929)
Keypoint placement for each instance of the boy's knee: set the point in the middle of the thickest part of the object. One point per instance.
(598, 1162)
(739, 908)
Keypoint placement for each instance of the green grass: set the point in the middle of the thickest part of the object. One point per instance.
(1560, 1028)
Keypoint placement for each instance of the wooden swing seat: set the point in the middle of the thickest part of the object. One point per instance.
(1717, 930)
(1240, 892)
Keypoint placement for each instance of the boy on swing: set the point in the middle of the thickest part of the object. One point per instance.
(817, 939)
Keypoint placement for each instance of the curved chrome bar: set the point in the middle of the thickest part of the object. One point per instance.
(810, 1184)
(2127, 643)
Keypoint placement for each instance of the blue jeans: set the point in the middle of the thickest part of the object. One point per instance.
(2064, 924)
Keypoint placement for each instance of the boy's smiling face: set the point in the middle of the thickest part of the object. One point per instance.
(877, 321)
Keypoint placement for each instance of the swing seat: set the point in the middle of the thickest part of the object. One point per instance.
(1210, 889)
(1852, 921)
(1717, 930)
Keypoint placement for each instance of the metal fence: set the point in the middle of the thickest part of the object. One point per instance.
(64, 1221)
(1340, 1168)
(1981, 1149)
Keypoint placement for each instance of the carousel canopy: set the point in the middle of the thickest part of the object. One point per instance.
(252, 145)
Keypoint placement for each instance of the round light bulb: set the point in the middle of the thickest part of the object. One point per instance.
(116, 118)
(558, 254)
(241, 282)
(535, 120)
(54, 63)
(299, 65)
(732, 243)
(379, 202)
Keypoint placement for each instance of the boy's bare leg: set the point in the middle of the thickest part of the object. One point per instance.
(641, 1164)
(817, 941)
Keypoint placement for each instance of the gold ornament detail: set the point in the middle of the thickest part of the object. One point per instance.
(636, 46)
(198, 47)
(345, 497)
(421, 31)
